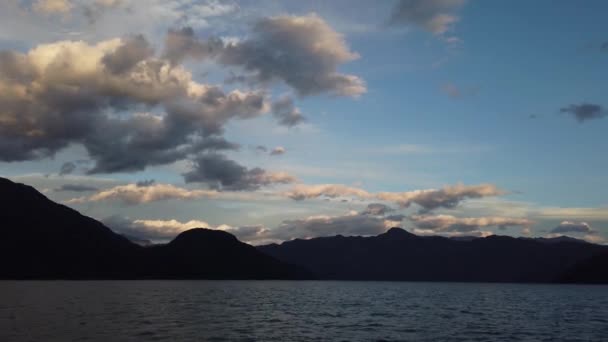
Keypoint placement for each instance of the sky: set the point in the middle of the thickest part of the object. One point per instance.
(276, 120)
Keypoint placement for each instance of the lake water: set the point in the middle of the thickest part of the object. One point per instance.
(300, 311)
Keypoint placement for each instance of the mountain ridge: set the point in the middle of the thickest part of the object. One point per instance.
(400, 255)
(46, 240)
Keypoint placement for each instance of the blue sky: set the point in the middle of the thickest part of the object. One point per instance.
(473, 102)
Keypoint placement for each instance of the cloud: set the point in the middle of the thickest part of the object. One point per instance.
(447, 197)
(452, 234)
(286, 112)
(68, 92)
(573, 227)
(165, 230)
(377, 209)
(93, 12)
(449, 223)
(301, 191)
(370, 221)
(435, 16)
(585, 111)
(155, 230)
(222, 173)
(132, 51)
(75, 188)
(146, 182)
(277, 151)
(428, 199)
(52, 6)
(67, 168)
(303, 52)
(132, 194)
(181, 44)
(131, 108)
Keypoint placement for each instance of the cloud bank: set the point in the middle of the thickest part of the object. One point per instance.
(428, 199)
(132, 194)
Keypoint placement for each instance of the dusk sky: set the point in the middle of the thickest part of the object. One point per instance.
(280, 120)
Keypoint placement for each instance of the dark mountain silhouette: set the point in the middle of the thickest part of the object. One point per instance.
(45, 240)
(137, 240)
(216, 254)
(593, 270)
(399, 255)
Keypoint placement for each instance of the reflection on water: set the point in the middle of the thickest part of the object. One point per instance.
(299, 311)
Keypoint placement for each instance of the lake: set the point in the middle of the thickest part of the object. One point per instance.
(300, 311)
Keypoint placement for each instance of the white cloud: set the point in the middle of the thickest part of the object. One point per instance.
(428, 199)
(134, 194)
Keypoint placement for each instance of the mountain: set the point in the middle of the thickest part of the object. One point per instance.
(137, 240)
(45, 240)
(399, 255)
(593, 270)
(215, 254)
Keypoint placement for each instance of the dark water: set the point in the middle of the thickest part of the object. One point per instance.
(300, 311)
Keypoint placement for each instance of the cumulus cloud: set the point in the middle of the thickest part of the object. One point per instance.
(585, 111)
(225, 174)
(573, 227)
(182, 43)
(75, 188)
(277, 151)
(304, 52)
(67, 93)
(136, 194)
(287, 114)
(435, 16)
(132, 51)
(52, 6)
(449, 223)
(131, 108)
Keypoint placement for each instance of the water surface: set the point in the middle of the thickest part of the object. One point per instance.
(299, 311)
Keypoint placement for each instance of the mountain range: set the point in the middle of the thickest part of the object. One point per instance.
(42, 239)
(398, 255)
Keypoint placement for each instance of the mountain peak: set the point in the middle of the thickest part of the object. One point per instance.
(398, 233)
(203, 234)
